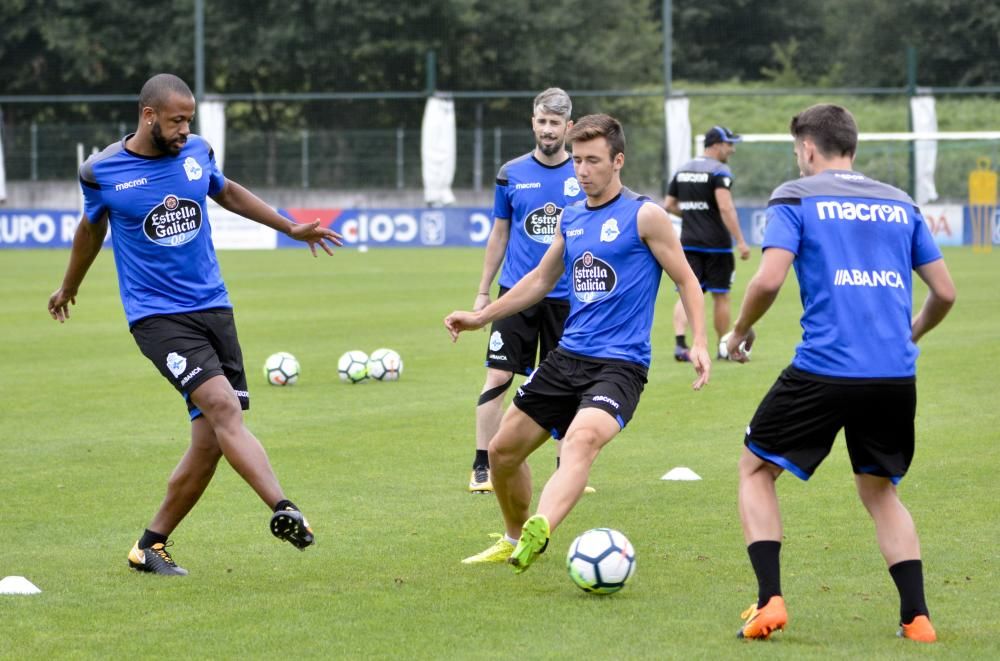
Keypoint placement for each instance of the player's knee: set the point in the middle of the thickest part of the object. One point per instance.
(580, 444)
(752, 466)
(219, 405)
(496, 386)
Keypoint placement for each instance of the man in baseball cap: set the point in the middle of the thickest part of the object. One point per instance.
(718, 134)
(701, 194)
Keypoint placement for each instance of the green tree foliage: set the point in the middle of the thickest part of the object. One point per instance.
(957, 41)
(99, 46)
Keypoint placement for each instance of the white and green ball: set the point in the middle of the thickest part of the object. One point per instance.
(385, 365)
(353, 366)
(281, 369)
(601, 561)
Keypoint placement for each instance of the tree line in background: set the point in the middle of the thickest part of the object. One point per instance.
(270, 46)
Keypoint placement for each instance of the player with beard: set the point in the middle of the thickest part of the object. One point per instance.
(531, 192)
(616, 246)
(150, 187)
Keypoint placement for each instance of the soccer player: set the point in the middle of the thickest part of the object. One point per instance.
(150, 187)
(701, 194)
(854, 243)
(531, 192)
(614, 248)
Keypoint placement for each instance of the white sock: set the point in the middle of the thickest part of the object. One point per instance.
(511, 540)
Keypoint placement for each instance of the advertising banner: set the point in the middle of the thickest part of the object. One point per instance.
(395, 227)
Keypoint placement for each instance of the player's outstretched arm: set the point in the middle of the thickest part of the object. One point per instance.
(87, 243)
(529, 290)
(761, 291)
(656, 230)
(496, 246)
(239, 200)
(939, 300)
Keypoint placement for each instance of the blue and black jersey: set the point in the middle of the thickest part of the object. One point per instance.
(160, 233)
(531, 195)
(694, 186)
(613, 280)
(856, 242)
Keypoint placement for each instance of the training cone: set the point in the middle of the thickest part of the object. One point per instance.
(18, 585)
(681, 474)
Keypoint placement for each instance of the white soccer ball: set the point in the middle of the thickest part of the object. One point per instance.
(353, 366)
(385, 365)
(281, 369)
(724, 348)
(600, 561)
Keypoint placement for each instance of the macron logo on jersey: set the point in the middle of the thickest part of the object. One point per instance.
(530, 184)
(692, 177)
(889, 213)
(859, 278)
(130, 184)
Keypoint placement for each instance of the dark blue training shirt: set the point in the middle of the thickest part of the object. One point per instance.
(856, 242)
(162, 240)
(694, 186)
(531, 195)
(613, 277)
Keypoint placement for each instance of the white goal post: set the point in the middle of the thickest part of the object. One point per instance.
(699, 146)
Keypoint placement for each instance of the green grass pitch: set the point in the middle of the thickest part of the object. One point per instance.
(90, 433)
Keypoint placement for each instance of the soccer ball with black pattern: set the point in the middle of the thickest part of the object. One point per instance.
(281, 369)
(385, 365)
(600, 561)
(353, 366)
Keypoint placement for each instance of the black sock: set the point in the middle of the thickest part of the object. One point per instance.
(284, 505)
(149, 538)
(909, 578)
(482, 459)
(681, 341)
(767, 567)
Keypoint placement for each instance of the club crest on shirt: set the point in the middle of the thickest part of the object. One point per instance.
(571, 187)
(176, 363)
(609, 230)
(496, 342)
(192, 169)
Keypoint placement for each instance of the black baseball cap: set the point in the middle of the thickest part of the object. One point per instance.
(718, 134)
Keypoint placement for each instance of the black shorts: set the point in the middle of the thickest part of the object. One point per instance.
(515, 340)
(565, 383)
(714, 270)
(190, 348)
(797, 421)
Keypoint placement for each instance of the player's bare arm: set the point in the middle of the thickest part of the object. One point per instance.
(529, 290)
(658, 233)
(727, 209)
(496, 246)
(672, 205)
(239, 200)
(87, 242)
(761, 292)
(939, 299)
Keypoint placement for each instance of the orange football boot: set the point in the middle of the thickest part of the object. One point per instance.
(761, 622)
(920, 630)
